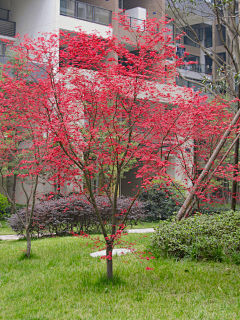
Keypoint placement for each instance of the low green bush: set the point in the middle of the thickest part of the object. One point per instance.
(210, 237)
(160, 203)
(3, 205)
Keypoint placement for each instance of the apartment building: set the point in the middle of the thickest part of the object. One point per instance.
(35, 16)
(32, 17)
(203, 23)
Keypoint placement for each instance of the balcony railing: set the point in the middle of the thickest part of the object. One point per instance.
(7, 28)
(84, 11)
(201, 68)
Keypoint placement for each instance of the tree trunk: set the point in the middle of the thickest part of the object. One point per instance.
(28, 243)
(236, 169)
(235, 174)
(13, 194)
(109, 262)
(208, 166)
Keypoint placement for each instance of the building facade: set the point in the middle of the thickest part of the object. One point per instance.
(34, 17)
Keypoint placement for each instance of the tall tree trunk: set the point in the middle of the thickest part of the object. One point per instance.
(235, 174)
(236, 169)
(28, 243)
(208, 166)
(109, 261)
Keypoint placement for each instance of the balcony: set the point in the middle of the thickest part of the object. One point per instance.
(190, 42)
(201, 68)
(84, 11)
(208, 42)
(184, 83)
(7, 28)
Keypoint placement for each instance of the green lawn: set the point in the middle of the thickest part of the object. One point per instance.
(5, 228)
(61, 281)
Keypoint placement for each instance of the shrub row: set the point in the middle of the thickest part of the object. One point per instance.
(75, 214)
(210, 237)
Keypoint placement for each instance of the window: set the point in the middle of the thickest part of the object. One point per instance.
(208, 37)
(4, 14)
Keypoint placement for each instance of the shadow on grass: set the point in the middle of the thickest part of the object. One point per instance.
(23, 256)
(104, 281)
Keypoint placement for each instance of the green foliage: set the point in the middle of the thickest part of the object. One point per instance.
(160, 203)
(3, 205)
(210, 237)
(214, 209)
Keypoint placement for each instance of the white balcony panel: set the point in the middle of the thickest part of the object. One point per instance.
(68, 23)
(137, 13)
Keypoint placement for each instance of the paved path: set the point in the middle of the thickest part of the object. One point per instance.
(15, 237)
(10, 237)
(146, 230)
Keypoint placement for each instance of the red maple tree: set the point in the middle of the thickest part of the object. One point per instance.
(99, 109)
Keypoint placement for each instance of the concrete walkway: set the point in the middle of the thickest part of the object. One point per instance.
(15, 237)
(10, 237)
(146, 230)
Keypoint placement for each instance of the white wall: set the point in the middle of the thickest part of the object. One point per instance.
(34, 16)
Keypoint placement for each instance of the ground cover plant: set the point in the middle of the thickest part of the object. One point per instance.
(209, 237)
(61, 281)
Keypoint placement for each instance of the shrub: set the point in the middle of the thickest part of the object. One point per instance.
(3, 205)
(75, 214)
(211, 237)
(159, 203)
(211, 209)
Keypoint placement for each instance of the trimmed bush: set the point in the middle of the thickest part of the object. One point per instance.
(210, 237)
(75, 214)
(159, 203)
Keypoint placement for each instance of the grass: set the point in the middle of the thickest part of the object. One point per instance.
(6, 229)
(61, 281)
